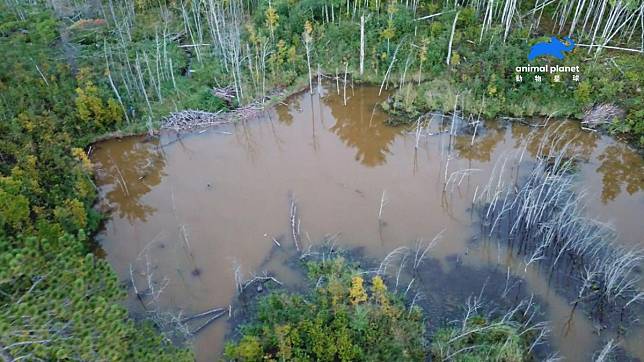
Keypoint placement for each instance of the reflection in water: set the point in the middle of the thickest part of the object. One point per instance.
(557, 134)
(621, 168)
(359, 126)
(132, 169)
(483, 146)
(284, 114)
(215, 199)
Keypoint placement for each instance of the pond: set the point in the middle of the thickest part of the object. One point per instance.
(186, 212)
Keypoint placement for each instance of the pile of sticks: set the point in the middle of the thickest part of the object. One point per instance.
(600, 115)
(192, 119)
(226, 93)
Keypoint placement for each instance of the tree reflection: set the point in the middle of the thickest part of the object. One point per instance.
(483, 146)
(557, 134)
(362, 127)
(284, 114)
(131, 168)
(621, 168)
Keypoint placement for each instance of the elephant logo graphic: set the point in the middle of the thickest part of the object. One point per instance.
(554, 48)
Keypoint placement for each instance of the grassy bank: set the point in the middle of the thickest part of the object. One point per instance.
(485, 84)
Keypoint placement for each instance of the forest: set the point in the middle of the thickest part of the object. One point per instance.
(75, 72)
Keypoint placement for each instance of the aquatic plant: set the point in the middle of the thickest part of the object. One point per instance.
(542, 217)
(477, 336)
(605, 353)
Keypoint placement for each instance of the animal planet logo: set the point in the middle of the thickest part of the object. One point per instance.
(554, 48)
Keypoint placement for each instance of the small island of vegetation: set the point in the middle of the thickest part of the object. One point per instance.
(351, 315)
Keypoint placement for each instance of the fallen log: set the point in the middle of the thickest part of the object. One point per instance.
(200, 328)
(202, 314)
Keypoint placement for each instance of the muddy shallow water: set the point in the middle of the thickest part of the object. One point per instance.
(189, 211)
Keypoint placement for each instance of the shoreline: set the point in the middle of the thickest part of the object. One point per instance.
(401, 117)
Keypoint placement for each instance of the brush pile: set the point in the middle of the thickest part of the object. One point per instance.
(228, 94)
(601, 115)
(543, 219)
(191, 119)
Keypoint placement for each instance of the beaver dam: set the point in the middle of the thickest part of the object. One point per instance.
(497, 209)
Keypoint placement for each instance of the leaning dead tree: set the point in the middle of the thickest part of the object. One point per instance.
(451, 38)
(417, 254)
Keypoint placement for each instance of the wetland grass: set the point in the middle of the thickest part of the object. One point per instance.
(543, 219)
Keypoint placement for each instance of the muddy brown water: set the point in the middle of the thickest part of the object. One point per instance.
(189, 211)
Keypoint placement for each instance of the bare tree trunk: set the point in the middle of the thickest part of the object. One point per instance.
(319, 85)
(601, 14)
(308, 63)
(346, 66)
(451, 38)
(145, 94)
(174, 84)
(575, 18)
(109, 77)
(362, 41)
(393, 60)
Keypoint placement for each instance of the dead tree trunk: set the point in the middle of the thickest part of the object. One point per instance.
(362, 41)
(451, 38)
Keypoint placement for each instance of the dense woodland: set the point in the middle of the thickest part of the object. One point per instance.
(75, 71)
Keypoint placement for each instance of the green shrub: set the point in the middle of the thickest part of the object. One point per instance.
(339, 320)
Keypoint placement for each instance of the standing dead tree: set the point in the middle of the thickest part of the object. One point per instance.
(307, 39)
(451, 38)
(225, 21)
(383, 202)
(362, 43)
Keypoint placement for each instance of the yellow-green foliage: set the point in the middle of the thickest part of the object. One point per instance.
(379, 290)
(357, 293)
(92, 109)
(337, 321)
(58, 302)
